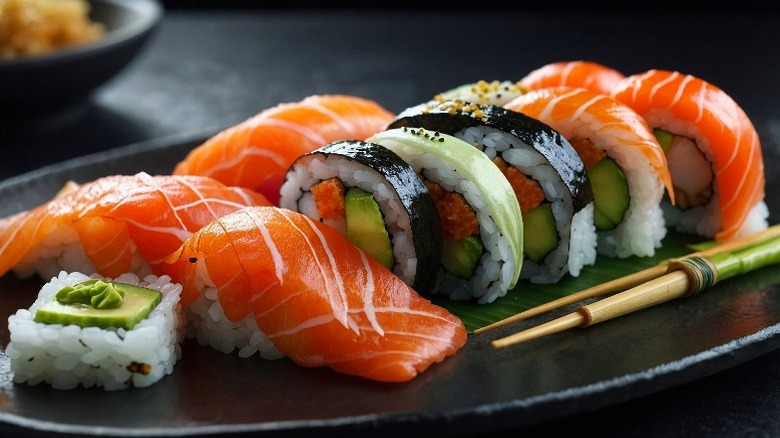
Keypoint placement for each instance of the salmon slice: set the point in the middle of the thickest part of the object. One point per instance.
(257, 152)
(320, 299)
(115, 224)
(689, 106)
(585, 74)
(579, 112)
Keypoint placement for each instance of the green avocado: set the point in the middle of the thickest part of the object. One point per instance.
(366, 226)
(610, 193)
(460, 256)
(539, 233)
(664, 138)
(136, 304)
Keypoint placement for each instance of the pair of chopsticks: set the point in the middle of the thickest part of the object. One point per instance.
(673, 278)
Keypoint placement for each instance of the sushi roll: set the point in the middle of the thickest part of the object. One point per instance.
(494, 92)
(375, 198)
(546, 177)
(713, 150)
(482, 227)
(625, 164)
(94, 332)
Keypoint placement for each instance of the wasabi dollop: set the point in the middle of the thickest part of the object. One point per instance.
(98, 294)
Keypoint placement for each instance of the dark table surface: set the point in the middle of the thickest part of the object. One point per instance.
(204, 70)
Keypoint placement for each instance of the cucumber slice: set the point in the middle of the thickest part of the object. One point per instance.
(366, 226)
(137, 303)
(664, 138)
(610, 193)
(460, 256)
(539, 233)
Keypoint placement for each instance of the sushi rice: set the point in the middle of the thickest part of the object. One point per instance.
(66, 356)
(577, 234)
(207, 323)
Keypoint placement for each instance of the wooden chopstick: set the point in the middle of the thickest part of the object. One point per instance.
(686, 276)
(631, 280)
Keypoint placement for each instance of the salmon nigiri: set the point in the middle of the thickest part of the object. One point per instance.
(306, 289)
(257, 152)
(115, 224)
(626, 166)
(713, 150)
(585, 74)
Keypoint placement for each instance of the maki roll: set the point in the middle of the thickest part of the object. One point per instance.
(713, 150)
(626, 166)
(96, 332)
(545, 173)
(375, 198)
(481, 223)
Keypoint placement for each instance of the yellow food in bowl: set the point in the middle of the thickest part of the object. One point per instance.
(35, 27)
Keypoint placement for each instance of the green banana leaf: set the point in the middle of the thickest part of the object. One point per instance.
(527, 295)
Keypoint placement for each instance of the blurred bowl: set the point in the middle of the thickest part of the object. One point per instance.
(51, 81)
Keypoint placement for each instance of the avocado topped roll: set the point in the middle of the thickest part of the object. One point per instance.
(546, 175)
(98, 332)
(481, 222)
(373, 197)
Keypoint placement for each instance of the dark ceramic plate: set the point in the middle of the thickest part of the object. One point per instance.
(477, 391)
(48, 82)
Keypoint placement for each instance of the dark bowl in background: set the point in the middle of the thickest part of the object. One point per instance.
(47, 83)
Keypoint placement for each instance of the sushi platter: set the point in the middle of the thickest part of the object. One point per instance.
(303, 383)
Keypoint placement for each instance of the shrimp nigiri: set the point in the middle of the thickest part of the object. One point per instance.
(585, 74)
(626, 166)
(319, 299)
(713, 151)
(257, 152)
(115, 224)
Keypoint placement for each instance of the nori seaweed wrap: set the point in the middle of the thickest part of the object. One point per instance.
(374, 197)
(545, 171)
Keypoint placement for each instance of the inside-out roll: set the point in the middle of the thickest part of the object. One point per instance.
(545, 173)
(626, 166)
(481, 222)
(713, 150)
(376, 199)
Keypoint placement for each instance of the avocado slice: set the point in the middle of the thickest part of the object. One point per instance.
(539, 233)
(460, 256)
(366, 226)
(136, 305)
(664, 138)
(610, 193)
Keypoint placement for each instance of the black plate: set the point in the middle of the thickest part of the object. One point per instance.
(477, 391)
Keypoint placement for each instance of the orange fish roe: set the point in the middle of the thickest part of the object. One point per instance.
(527, 190)
(589, 153)
(458, 219)
(329, 197)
